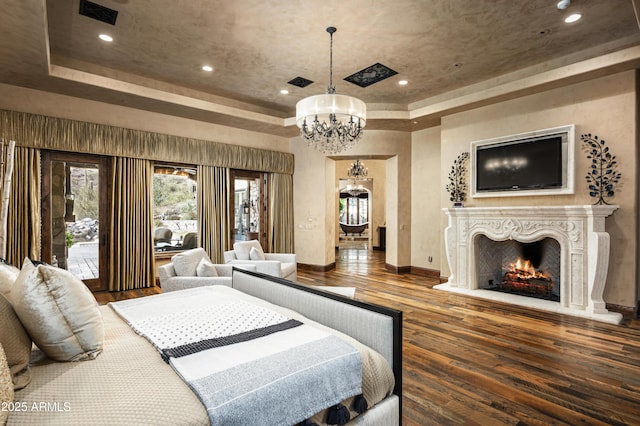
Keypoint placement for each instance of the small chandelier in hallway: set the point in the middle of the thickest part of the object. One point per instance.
(357, 172)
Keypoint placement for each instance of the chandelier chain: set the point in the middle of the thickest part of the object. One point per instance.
(331, 89)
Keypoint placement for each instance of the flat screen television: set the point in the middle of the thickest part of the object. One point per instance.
(517, 165)
(535, 163)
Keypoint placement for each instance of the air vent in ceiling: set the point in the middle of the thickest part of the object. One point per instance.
(300, 82)
(99, 12)
(370, 75)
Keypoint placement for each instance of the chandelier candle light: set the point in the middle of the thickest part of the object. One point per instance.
(331, 123)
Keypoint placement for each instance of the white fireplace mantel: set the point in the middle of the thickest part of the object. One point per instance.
(584, 251)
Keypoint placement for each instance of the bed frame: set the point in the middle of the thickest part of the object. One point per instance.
(376, 326)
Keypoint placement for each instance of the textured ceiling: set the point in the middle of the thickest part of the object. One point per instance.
(439, 46)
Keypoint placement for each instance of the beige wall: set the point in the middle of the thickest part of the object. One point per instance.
(426, 212)
(605, 107)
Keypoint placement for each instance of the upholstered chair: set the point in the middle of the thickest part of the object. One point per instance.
(282, 265)
(193, 268)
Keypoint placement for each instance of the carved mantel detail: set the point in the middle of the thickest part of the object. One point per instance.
(580, 231)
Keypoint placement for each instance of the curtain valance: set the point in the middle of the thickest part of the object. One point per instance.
(44, 132)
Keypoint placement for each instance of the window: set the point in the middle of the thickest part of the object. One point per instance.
(175, 209)
(353, 210)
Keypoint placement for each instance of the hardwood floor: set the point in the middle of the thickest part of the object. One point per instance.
(469, 361)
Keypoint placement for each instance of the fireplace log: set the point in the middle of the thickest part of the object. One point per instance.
(531, 286)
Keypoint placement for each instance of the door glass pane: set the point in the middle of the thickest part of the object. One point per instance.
(75, 218)
(246, 209)
(175, 208)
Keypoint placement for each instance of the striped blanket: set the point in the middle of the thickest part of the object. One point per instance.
(247, 363)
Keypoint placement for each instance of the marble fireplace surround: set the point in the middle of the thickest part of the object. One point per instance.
(584, 252)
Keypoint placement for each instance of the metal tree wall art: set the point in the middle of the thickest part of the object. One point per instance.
(603, 174)
(457, 186)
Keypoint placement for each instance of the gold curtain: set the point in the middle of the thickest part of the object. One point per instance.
(213, 211)
(24, 221)
(131, 257)
(39, 131)
(281, 213)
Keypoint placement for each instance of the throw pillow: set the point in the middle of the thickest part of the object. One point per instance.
(16, 343)
(206, 269)
(186, 263)
(8, 275)
(256, 254)
(6, 388)
(243, 248)
(59, 313)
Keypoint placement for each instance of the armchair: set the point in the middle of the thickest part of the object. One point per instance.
(193, 268)
(282, 265)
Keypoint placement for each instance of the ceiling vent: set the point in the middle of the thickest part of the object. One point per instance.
(99, 12)
(370, 75)
(300, 82)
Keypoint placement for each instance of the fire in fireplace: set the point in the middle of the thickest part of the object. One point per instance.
(521, 277)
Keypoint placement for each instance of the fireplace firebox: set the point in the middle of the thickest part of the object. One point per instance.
(525, 269)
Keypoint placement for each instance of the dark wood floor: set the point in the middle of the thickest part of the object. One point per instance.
(468, 361)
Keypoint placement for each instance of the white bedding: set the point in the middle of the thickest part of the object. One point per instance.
(130, 384)
(247, 363)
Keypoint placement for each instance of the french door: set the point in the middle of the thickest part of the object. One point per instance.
(75, 215)
(249, 211)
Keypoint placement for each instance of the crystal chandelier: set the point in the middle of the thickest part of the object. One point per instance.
(331, 123)
(357, 171)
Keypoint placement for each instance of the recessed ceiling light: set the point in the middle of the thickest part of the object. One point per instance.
(106, 37)
(403, 82)
(284, 92)
(572, 18)
(207, 68)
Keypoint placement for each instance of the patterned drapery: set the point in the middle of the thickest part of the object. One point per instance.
(131, 257)
(40, 131)
(213, 211)
(23, 230)
(281, 213)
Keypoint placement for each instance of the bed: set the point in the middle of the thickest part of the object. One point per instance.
(131, 383)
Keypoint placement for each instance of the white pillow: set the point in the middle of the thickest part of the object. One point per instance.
(59, 312)
(256, 254)
(206, 269)
(186, 263)
(8, 275)
(243, 248)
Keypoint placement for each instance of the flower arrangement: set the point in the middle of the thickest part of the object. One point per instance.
(457, 186)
